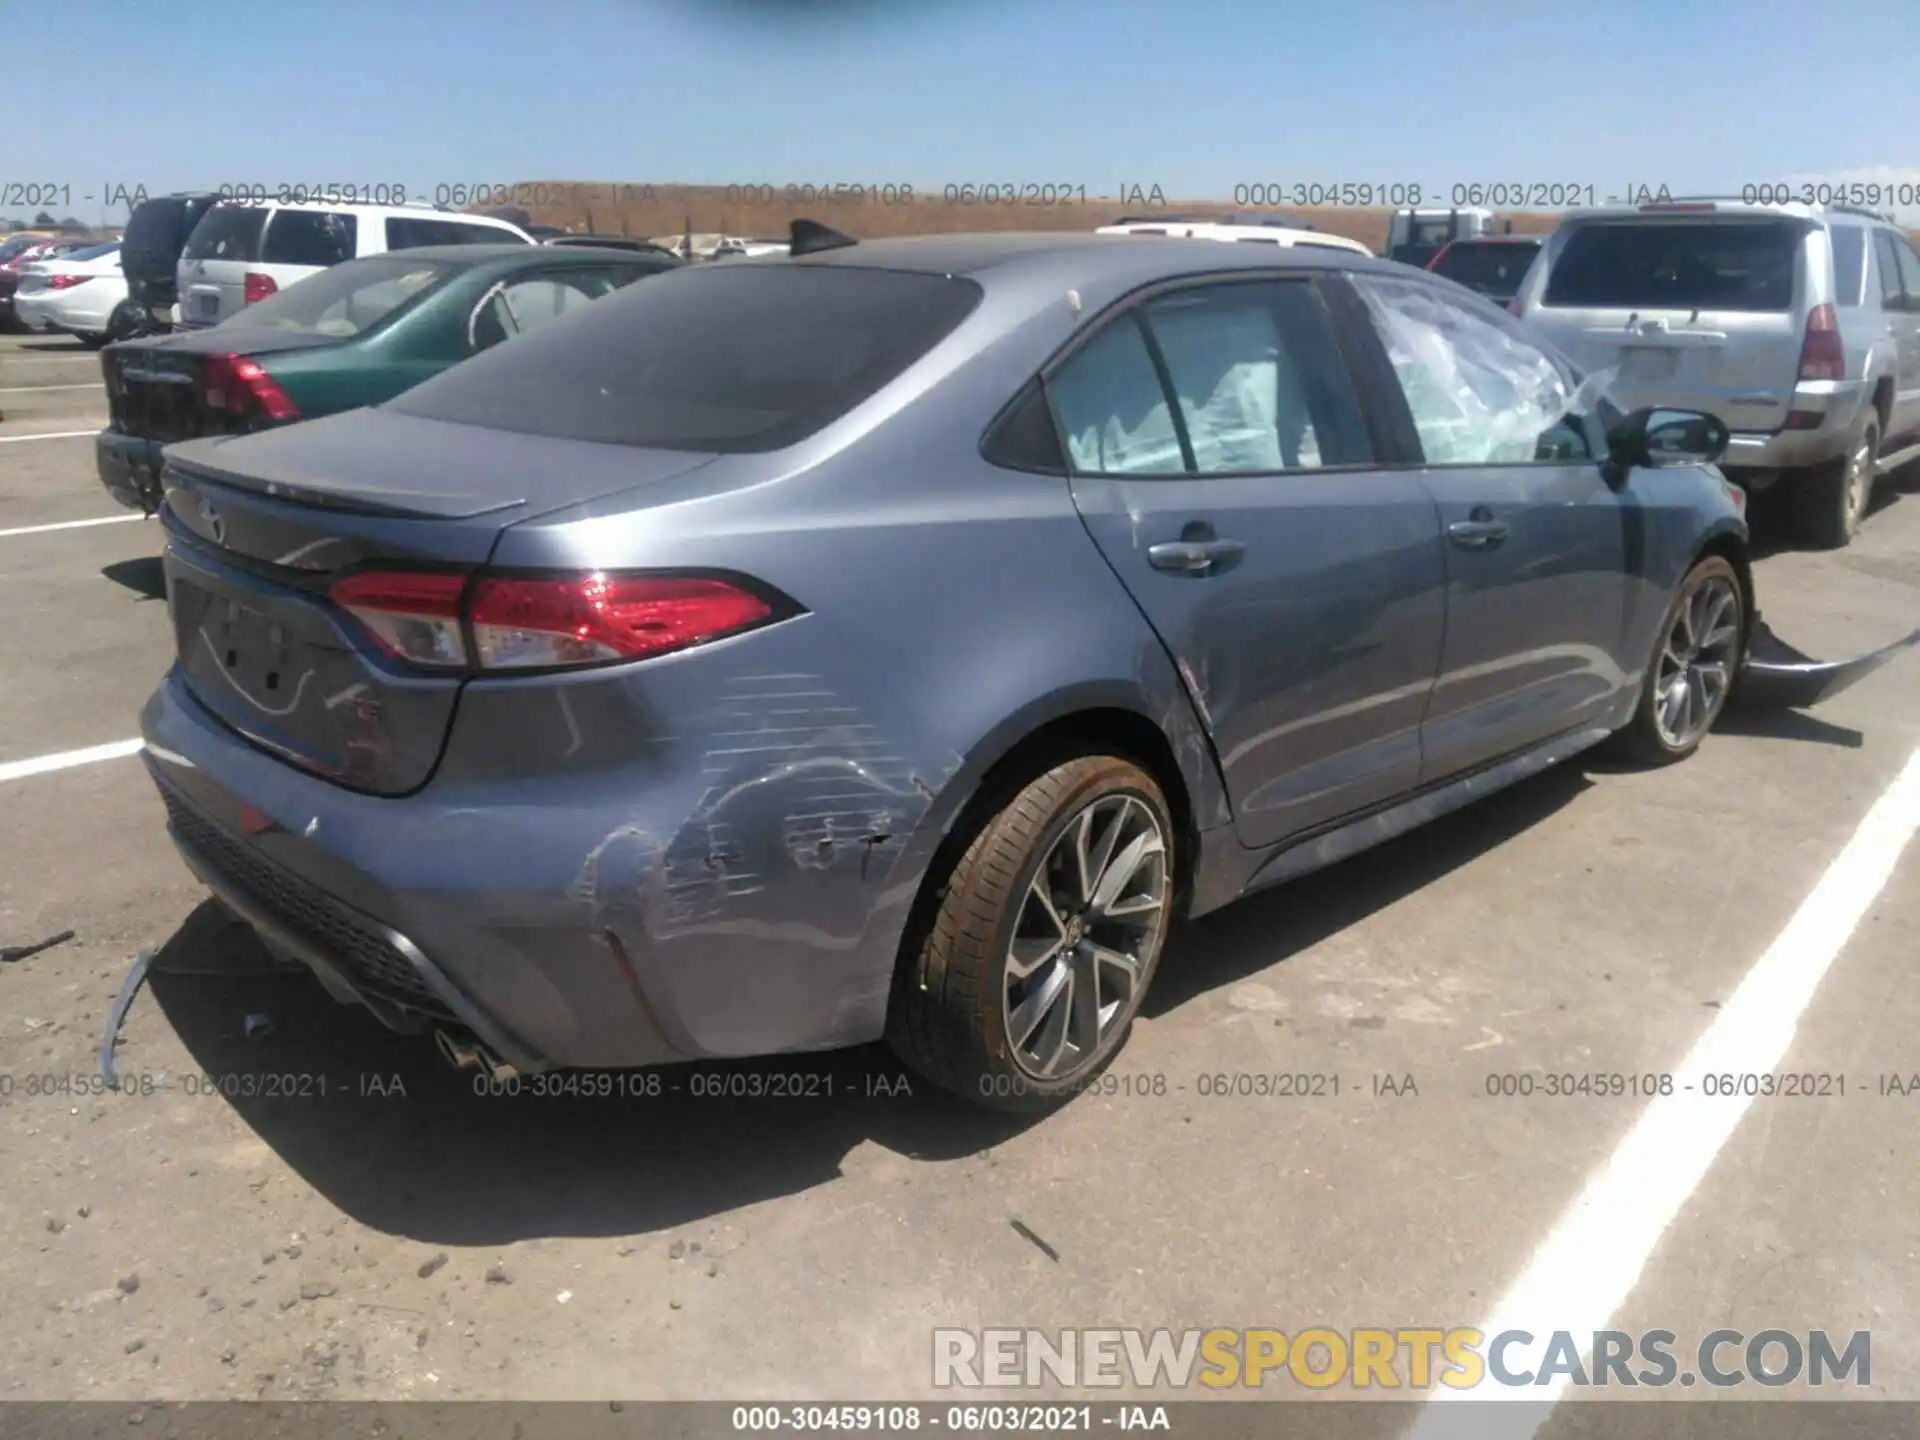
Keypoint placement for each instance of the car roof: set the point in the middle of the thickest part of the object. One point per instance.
(1105, 257)
(1712, 207)
(480, 254)
(1497, 240)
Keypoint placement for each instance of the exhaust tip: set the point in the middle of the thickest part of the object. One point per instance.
(461, 1054)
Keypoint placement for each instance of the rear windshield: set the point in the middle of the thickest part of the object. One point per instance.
(227, 232)
(155, 226)
(1492, 269)
(348, 299)
(93, 252)
(1678, 265)
(731, 358)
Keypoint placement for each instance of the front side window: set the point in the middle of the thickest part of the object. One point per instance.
(1479, 393)
(1887, 263)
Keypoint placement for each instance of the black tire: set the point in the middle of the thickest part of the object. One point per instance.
(1642, 739)
(92, 342)
(1830, 504)
(948, 1015)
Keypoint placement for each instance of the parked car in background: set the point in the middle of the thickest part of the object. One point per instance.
(515, 708)
(355, 334)
(1796, 325)
(41, 248)
(150, 249)
(75, 294)
(1415, 236)
(1264, 231)
(239, 254)
(1492, 265)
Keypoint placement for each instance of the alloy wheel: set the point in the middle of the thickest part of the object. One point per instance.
(1089, 925)
(1696, 662)
(1859, 479)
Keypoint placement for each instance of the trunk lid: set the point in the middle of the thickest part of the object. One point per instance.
(156, 389)
(1699, 314)
(259, 526)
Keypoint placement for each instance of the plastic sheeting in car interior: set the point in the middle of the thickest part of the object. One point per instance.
(1479, 394)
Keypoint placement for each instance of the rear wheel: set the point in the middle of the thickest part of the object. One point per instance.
(1833, 497)
(1046, 936)
(1696, 659)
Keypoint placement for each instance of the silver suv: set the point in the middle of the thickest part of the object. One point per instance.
(1796, 325)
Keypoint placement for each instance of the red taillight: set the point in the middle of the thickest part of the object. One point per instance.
(237, 383)
(1822, 356)
(260, 286)
(66, 282)
(413, 617)
(589, 619)
(1513, 306)
(543, 623)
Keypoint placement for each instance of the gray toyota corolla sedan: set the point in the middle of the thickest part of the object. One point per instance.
(897, 638)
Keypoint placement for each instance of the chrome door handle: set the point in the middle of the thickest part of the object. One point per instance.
(1477, 534)
(1192, 557)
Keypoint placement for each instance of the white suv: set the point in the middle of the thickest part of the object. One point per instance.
(240, 252)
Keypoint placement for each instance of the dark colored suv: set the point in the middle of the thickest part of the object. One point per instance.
(156, 233)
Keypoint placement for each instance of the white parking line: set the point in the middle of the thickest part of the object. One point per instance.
(67, 759)
(36, 389)
(68, 525)
(49, 435)
(1590, 1262)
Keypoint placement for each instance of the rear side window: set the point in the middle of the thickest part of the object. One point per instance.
(227, 232)
(310, 237)
(1678, 265)
(729, 358)
(1258, 385)
(1113, 409)
(410, 233)
(1849, 263)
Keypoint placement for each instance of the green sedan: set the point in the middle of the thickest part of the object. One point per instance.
(356, 334)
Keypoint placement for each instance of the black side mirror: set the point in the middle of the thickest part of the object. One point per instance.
(1662, 439)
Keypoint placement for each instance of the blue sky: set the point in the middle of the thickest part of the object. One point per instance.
(1196, 97)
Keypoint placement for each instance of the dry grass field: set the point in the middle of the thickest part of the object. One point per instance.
(654, 209)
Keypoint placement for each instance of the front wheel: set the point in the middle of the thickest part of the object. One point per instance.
(1696, 659)
(1047, 933)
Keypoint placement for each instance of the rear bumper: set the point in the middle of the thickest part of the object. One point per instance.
(563, 929)
(129, 468)
(1840, 405)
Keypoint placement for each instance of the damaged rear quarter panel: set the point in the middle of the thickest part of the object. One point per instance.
(754, 818)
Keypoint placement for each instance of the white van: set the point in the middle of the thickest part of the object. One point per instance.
(1287, 234)
(240, 253)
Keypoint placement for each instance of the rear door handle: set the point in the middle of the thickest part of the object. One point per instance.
(1192, 557)
(1479, 531)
